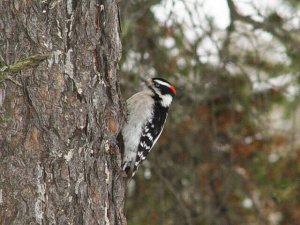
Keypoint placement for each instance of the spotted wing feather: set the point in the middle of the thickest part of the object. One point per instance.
(151, 132)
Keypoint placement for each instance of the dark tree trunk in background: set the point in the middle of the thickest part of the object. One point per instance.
(59, 160)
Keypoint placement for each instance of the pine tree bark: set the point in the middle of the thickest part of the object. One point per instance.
(59, 118)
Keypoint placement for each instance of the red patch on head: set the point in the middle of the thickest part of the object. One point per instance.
(173, 89)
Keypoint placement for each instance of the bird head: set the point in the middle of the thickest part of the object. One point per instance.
(162, 89)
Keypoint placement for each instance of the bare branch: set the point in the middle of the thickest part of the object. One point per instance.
(22, 64)
(279, 32)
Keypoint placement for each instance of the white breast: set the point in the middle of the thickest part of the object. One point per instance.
(139, 112)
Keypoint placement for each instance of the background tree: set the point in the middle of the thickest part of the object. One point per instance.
(59, 160)
(230, 151)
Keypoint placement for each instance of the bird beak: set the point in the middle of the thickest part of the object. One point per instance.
(148, 82)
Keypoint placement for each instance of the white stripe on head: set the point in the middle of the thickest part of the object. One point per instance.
(162, 83)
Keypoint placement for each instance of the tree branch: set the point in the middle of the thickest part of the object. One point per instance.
(277, 31)
(176, 195)
(22, 64)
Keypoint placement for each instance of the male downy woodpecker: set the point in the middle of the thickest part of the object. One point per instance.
(146, 116)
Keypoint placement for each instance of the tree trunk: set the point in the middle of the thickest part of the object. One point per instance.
(59, 159)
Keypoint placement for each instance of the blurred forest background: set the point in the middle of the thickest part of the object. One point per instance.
(230, 152)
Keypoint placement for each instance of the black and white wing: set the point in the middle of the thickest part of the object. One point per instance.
(151, 132)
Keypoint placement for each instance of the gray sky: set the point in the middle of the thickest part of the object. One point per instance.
(215, 8)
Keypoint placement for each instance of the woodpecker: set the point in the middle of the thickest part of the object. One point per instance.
(146, 116)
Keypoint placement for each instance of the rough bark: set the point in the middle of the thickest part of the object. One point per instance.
(59, 160)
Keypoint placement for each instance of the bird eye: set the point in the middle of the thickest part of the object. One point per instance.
(156, 85)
